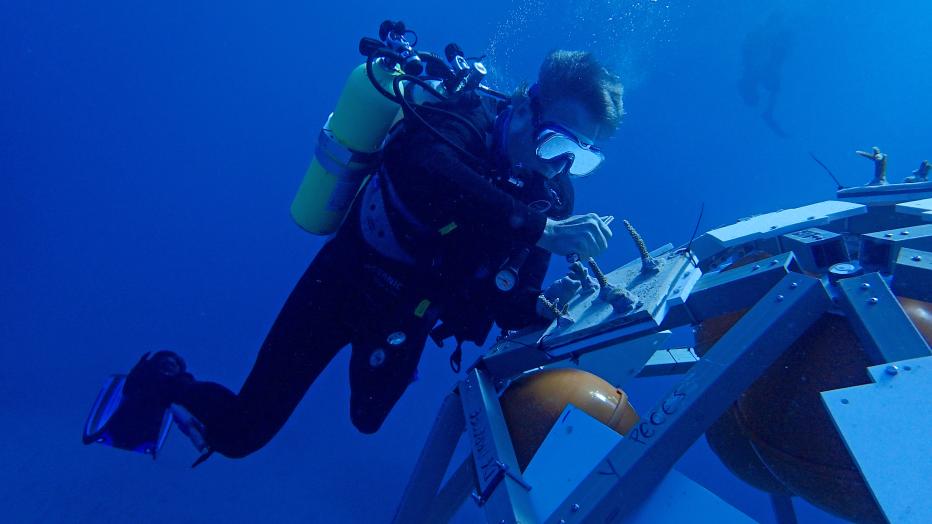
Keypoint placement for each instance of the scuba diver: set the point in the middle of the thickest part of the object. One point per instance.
(452, 231)
(762, 56)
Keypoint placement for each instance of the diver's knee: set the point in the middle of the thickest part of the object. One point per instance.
(366, 421)
(238, 451)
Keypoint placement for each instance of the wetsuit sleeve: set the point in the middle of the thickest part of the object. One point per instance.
(440, 189)
(518, 309)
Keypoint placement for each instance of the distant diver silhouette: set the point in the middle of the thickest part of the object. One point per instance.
(762, 56)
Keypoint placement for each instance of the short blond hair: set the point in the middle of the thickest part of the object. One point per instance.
(577, 75)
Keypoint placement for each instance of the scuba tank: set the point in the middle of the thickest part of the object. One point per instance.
(347, 151)
(373, 99)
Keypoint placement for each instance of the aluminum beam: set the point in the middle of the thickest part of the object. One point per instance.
(501, 490)
(877, 319)
(433, 462)
(637, 464)
(912, 275)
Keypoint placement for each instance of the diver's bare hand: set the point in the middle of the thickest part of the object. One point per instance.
(584, 235)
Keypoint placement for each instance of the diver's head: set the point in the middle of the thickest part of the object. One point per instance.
(557, 124)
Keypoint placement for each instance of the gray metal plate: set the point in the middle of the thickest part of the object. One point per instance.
(912, 275)
(922, 208)
(674, 361)
(886, 194)
(886, 427)
(575, 447)
(592, 315)
(620, 363)
(678, 499)
(773, 225)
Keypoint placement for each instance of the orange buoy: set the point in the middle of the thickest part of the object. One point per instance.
(779, 437)
(533, 404)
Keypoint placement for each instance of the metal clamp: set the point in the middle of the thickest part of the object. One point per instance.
(501, 472)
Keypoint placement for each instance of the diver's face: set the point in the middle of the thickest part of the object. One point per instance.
(522, 139)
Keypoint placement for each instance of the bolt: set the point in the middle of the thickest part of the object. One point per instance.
(755, 268)
(377, 358)
(917, 258)
(865, 286)
(780, 298)
(889, 235)
(844, 401)
(892, 369)
(873, 300)
(575, 508)
(774, 262)
(773, 227)
(904, 232)
(794, 285)
(810, 218)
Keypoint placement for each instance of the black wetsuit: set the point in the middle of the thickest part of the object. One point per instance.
(457, 226)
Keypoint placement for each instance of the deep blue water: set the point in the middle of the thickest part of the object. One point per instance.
(149, 153)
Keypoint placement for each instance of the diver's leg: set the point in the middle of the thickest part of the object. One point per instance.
(309, 331)
(380, 371)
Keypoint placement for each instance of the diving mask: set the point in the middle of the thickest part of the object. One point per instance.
(557, 143)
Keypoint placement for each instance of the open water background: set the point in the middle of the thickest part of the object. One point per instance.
(149, 152)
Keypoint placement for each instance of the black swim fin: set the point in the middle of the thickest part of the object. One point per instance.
(132, 411)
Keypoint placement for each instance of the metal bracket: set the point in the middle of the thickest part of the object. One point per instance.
(505, 496)
(500, 473)
(674, 361)
(912, 275)
(728, 291)
(880, 250)
(878, 320)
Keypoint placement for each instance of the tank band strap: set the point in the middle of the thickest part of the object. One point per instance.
(329, 143)
(340, 160)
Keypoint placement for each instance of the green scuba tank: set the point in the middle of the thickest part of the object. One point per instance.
(347, 151)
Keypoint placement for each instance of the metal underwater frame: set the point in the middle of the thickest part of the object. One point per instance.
(584, 472)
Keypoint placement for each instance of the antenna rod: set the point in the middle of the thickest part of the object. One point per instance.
(827, 170)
